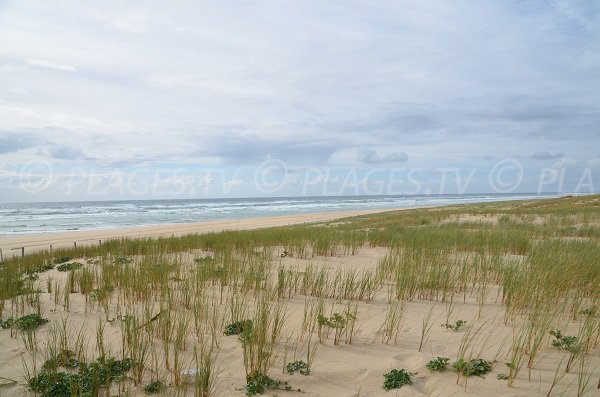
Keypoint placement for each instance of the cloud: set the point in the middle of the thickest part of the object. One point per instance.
(38, 63)
(11, 141)
(565, 163)
(307, 83)
(546, 155)
(370, 156)
(64, 153)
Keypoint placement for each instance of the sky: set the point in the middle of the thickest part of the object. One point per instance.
(103, 100)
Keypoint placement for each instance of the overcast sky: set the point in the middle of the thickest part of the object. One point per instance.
(203, 99)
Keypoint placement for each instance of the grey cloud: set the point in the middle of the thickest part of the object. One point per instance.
(370, 156)
(243, 150)
(64, 153)
(546, 155)
(12, 141)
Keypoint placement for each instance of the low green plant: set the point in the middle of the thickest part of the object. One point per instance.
(205, 260)
(297, 366)
(258, 384)
(588, 312)
(62, 259)
(439, 364)
(395, 379)
(456, 326)
(568, 343)
(337, 322)
(87, 381)
(40, 269)
(238, 327)
(65, 358)
(154, 387)
(24, 323)
(55, 384)
(502, 377)
(122, 260)
(8, 323)
(67, 267)
(476, 366)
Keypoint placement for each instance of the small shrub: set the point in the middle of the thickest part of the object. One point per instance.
(502, 376)
(67, 267)
(238, 327)
(439, 364)
(154, 387)
(477, 367)
(62, 259)
(395, 379)
(297, 366)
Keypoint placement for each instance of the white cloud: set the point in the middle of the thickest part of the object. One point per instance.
(308, 83)
(50, 65)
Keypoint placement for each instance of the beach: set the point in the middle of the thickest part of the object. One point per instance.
(12, 244)
(334, 304)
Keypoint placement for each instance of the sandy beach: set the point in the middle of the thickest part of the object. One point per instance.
(11, 245)
(353, 310)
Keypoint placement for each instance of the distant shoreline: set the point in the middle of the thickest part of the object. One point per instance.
(11, 245)
(23, 219)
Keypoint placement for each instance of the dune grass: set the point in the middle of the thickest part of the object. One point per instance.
(172, 298)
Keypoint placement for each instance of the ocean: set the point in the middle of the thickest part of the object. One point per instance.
(25, 218)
